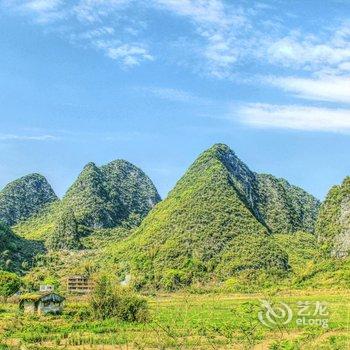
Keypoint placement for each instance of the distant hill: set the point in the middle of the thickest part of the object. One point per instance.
(113, 195)
(25, 197)
(107, 196)
(217, 221)
(333, 224)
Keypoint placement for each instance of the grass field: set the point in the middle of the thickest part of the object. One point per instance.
(186, 321)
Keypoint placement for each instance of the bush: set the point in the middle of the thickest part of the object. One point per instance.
(108, 300)
(174, 279)
(10, 283)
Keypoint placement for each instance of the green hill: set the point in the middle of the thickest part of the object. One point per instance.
(25, 197)
(107, 196)
(16, 254)
(213, 224)
(333, 224)
(114, 195)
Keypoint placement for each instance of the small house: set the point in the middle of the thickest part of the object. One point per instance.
(48, 303)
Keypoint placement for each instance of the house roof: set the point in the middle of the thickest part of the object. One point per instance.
(34, 297)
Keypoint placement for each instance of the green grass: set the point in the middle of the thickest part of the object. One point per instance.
(180, 321)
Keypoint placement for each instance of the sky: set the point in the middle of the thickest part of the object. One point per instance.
(156, 82)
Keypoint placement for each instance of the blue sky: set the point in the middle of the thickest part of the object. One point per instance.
(156, 82)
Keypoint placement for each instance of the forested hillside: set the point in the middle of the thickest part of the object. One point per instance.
(16, 254)
(221, 224)
(333, 224)
(24, 197)
(214, 224)
(114, 195)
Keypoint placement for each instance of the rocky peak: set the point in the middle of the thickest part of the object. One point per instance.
(24, 197)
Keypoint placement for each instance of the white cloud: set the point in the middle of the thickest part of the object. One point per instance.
(14, 137)
(95, 10)
(175, 95)
(42, 11)
(97, 24)
(289, 52)
(42, 5)
(200, 11)
(220, 35)
(295, 117)
(218, 25)
(312, 52)
(129, 54)
(324, 88)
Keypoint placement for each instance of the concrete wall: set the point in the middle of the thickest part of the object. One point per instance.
(29, 307)
(51, 308)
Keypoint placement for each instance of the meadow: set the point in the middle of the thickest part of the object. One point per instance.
(185, 320)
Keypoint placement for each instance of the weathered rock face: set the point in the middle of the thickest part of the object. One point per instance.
(107, 196)
(333, 223)
(342, 241)
(24, 197)
(286, 208)
(280, 206)
(244, 180)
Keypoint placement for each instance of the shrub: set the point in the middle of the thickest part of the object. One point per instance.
(108, 300)
(10, 283)
(173, 279)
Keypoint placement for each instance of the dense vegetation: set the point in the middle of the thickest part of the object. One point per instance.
(213, 225)
(222, 225)
(107, 196)
(333, 224)
(10, 283)
(24, 197)
(16, 254)
(115, 195)
(65, 232)
(109, 300)
(285, 208)
(223, 229)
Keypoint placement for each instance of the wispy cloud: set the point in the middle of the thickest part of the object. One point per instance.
(129, 54)
(325, 88)
(312, 52)
(43, 11)
(295, 117)
(14, 137)
(216, 37)
(218, 25)
(96, 10)
(321, 64)
(174, 95)
(98, 24)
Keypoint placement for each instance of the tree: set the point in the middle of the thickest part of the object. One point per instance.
(10, 283)
(109, 300)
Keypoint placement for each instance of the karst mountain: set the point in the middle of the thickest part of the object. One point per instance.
(23, 198)
(219, 218)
